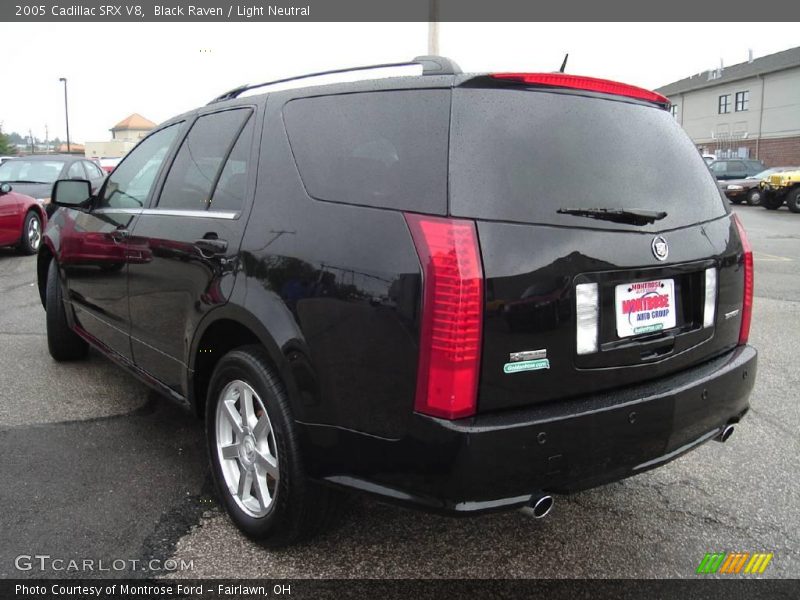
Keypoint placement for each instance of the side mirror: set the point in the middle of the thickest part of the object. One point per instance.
(71, 192)
(5, 188)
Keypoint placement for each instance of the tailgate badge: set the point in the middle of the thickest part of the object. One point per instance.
(527, 355)
(529, 360)
(660, 248)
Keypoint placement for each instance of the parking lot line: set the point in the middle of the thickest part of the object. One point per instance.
(763, 256)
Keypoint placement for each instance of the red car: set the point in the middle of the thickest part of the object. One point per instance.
(22, 220)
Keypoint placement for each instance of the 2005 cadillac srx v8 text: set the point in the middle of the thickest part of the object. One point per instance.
(458, 292)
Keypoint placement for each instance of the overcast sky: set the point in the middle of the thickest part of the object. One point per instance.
(162, 69)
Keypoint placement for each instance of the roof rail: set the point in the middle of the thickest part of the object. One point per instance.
(431, 65)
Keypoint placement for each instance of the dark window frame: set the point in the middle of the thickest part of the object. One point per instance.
(742, 101)
(226, 155)
(724, 104)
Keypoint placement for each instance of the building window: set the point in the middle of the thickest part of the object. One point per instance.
(673, 109)
(742, 100)
(724, 104)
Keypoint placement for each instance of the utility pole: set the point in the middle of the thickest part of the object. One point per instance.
(66, 111)
(30, 135)
(433, 28)
(46, 139)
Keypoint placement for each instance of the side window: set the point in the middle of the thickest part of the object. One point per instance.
(131, 182)
(736, 166)
(92, 170)
(196, 169)
(382, 149)
(75, 171)
(230, 190)
(719, 167)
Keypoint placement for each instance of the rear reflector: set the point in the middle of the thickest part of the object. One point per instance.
(747, 300)
(452, 315)
(710, 306)
(589, 84)
(586, 311)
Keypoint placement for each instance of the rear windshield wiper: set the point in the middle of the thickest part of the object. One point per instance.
(632, 216)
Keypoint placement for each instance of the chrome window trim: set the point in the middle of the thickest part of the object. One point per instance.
(172, 212)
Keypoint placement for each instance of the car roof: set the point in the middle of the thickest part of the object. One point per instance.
(52, 157)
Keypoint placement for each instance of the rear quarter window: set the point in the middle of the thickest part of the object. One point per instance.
(381, 149)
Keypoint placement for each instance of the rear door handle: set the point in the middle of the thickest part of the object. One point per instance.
(211, 247)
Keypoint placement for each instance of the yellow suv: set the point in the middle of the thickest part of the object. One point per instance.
(780, 187)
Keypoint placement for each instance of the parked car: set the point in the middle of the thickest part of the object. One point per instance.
(749, 189)
(735, 168)
(22, 220)
(326, 273)
(5, 158)
(35, 175)
(782, 187)
(108, 164)
(709, 158)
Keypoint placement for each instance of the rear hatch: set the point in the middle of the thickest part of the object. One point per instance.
(578, 301)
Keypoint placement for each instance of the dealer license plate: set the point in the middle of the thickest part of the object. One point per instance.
(644, 307)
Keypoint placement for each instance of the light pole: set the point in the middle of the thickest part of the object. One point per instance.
(433, 27)
(66, 111)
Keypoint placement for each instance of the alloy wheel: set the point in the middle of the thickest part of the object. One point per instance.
(34, 233)
(246, 448)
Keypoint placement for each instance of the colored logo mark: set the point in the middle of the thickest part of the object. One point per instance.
(733, 563)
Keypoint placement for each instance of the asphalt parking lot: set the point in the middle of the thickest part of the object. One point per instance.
(93, 465)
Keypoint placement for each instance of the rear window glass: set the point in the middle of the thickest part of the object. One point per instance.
(520, 155)
(382, 149)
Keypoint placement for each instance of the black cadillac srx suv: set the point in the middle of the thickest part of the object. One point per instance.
(458, 292)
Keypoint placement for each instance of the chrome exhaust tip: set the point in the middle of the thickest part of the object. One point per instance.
(541, 506)
(726, 433)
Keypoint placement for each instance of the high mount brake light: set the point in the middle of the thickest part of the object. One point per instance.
(747, 300)
(590, 84)
(452, 315)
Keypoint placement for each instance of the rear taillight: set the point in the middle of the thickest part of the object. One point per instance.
(452, 315)
(589, 84)
(747, 301)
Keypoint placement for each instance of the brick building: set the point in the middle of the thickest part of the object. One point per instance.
(748, 110)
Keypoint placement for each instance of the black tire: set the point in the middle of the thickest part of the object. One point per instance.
(735, 201)
(771, 201)
(793, 199)
(28, 244)
(754, 197)
(63, 343)
(299, 507)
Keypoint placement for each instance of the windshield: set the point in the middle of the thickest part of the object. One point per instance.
(30, 171)
(521, 155)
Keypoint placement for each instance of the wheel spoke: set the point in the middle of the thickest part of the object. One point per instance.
(268, 463)
(262, 492)
(233, 417)
(245, 483)
(262, 429)
(230, 452)
(246, 406)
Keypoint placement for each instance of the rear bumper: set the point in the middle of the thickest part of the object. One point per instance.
(506, 459)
